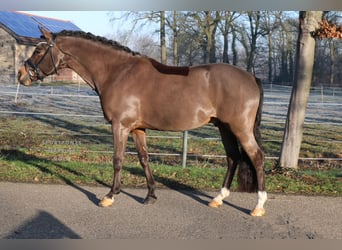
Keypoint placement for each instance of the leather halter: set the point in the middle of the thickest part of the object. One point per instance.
(33, 69)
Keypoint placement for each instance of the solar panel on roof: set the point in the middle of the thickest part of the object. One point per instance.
(22, 25)
(55, 25)
(27, 26)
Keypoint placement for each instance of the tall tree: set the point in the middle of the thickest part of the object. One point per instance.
(172, 23)
(225, 26)
(234, 49)
(163, 55)
(270, 23)
(308, 23)
(249, 36)
(332, 62)
(190, 40)
(174, 28)
(254, 22)
(208, 21)
(270, 48)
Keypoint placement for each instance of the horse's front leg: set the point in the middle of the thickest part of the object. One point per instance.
(120, 135)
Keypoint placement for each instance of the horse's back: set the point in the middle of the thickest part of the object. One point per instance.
(227, 74)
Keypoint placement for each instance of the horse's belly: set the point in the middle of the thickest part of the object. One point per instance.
(180, 119)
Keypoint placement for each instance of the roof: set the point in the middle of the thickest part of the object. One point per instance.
(24, 27)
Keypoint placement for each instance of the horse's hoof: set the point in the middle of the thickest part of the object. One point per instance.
(257, 212)
(214, 204)
(150, 200)
(106, 202)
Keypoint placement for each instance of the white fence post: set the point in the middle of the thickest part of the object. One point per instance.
(16, 94)
(185, 148)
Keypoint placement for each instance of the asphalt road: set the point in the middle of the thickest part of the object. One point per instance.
(38, 211)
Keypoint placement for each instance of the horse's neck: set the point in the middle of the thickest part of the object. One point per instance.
(82, 72)
(91, 61)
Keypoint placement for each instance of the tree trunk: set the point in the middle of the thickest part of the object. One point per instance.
(175, 40)
(212, 51)
(208, 33)
(254, 21)
(284, 67)
(162, 37)
(225, 26)
(291, 66)
(225, 58)
(332, 62)
(308, 22)
(270, 56)
(234, 50)
(225, 32)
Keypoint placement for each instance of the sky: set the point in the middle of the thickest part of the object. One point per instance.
(96, 22)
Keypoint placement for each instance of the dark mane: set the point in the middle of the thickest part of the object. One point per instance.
(103, 40)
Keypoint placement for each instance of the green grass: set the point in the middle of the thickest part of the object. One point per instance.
(19, 166)
(54, 152)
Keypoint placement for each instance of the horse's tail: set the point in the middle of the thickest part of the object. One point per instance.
(247, 178)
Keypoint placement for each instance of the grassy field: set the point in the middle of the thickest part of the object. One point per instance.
(66, 151)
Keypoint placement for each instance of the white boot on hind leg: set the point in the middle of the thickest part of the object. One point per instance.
(259, 209)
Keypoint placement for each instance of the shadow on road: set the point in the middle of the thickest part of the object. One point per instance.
(197, 195)
(43, 226)
(35, 161)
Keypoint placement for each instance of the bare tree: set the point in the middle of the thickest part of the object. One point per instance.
(174, 28)
(248, 36)
(261, 41)
(308, 23)
(271, 22)
(208, 21)
(163, 55)
(234, 50)
(174, 25)
(186, 38)
(226, 26)
(254, 22)
(146, 17)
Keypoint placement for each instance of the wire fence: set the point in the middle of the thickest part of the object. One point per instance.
(77, 101)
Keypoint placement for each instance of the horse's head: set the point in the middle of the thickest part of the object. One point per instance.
(45, 60)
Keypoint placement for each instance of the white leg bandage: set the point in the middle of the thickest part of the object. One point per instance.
(262, 197)
(223, 194)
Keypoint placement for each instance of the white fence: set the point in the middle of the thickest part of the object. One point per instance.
(78, 101)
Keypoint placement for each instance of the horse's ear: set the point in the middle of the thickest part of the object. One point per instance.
(46, 34)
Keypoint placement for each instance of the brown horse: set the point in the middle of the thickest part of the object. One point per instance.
(138, 93)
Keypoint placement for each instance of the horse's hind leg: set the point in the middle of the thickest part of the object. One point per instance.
(233, 155)
(256, 156)
(139, 137)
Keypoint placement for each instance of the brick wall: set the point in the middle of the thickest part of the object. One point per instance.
(7, 45)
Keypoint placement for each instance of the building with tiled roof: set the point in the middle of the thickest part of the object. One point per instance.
(19, 33)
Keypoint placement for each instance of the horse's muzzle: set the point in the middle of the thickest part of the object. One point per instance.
(23, 76)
